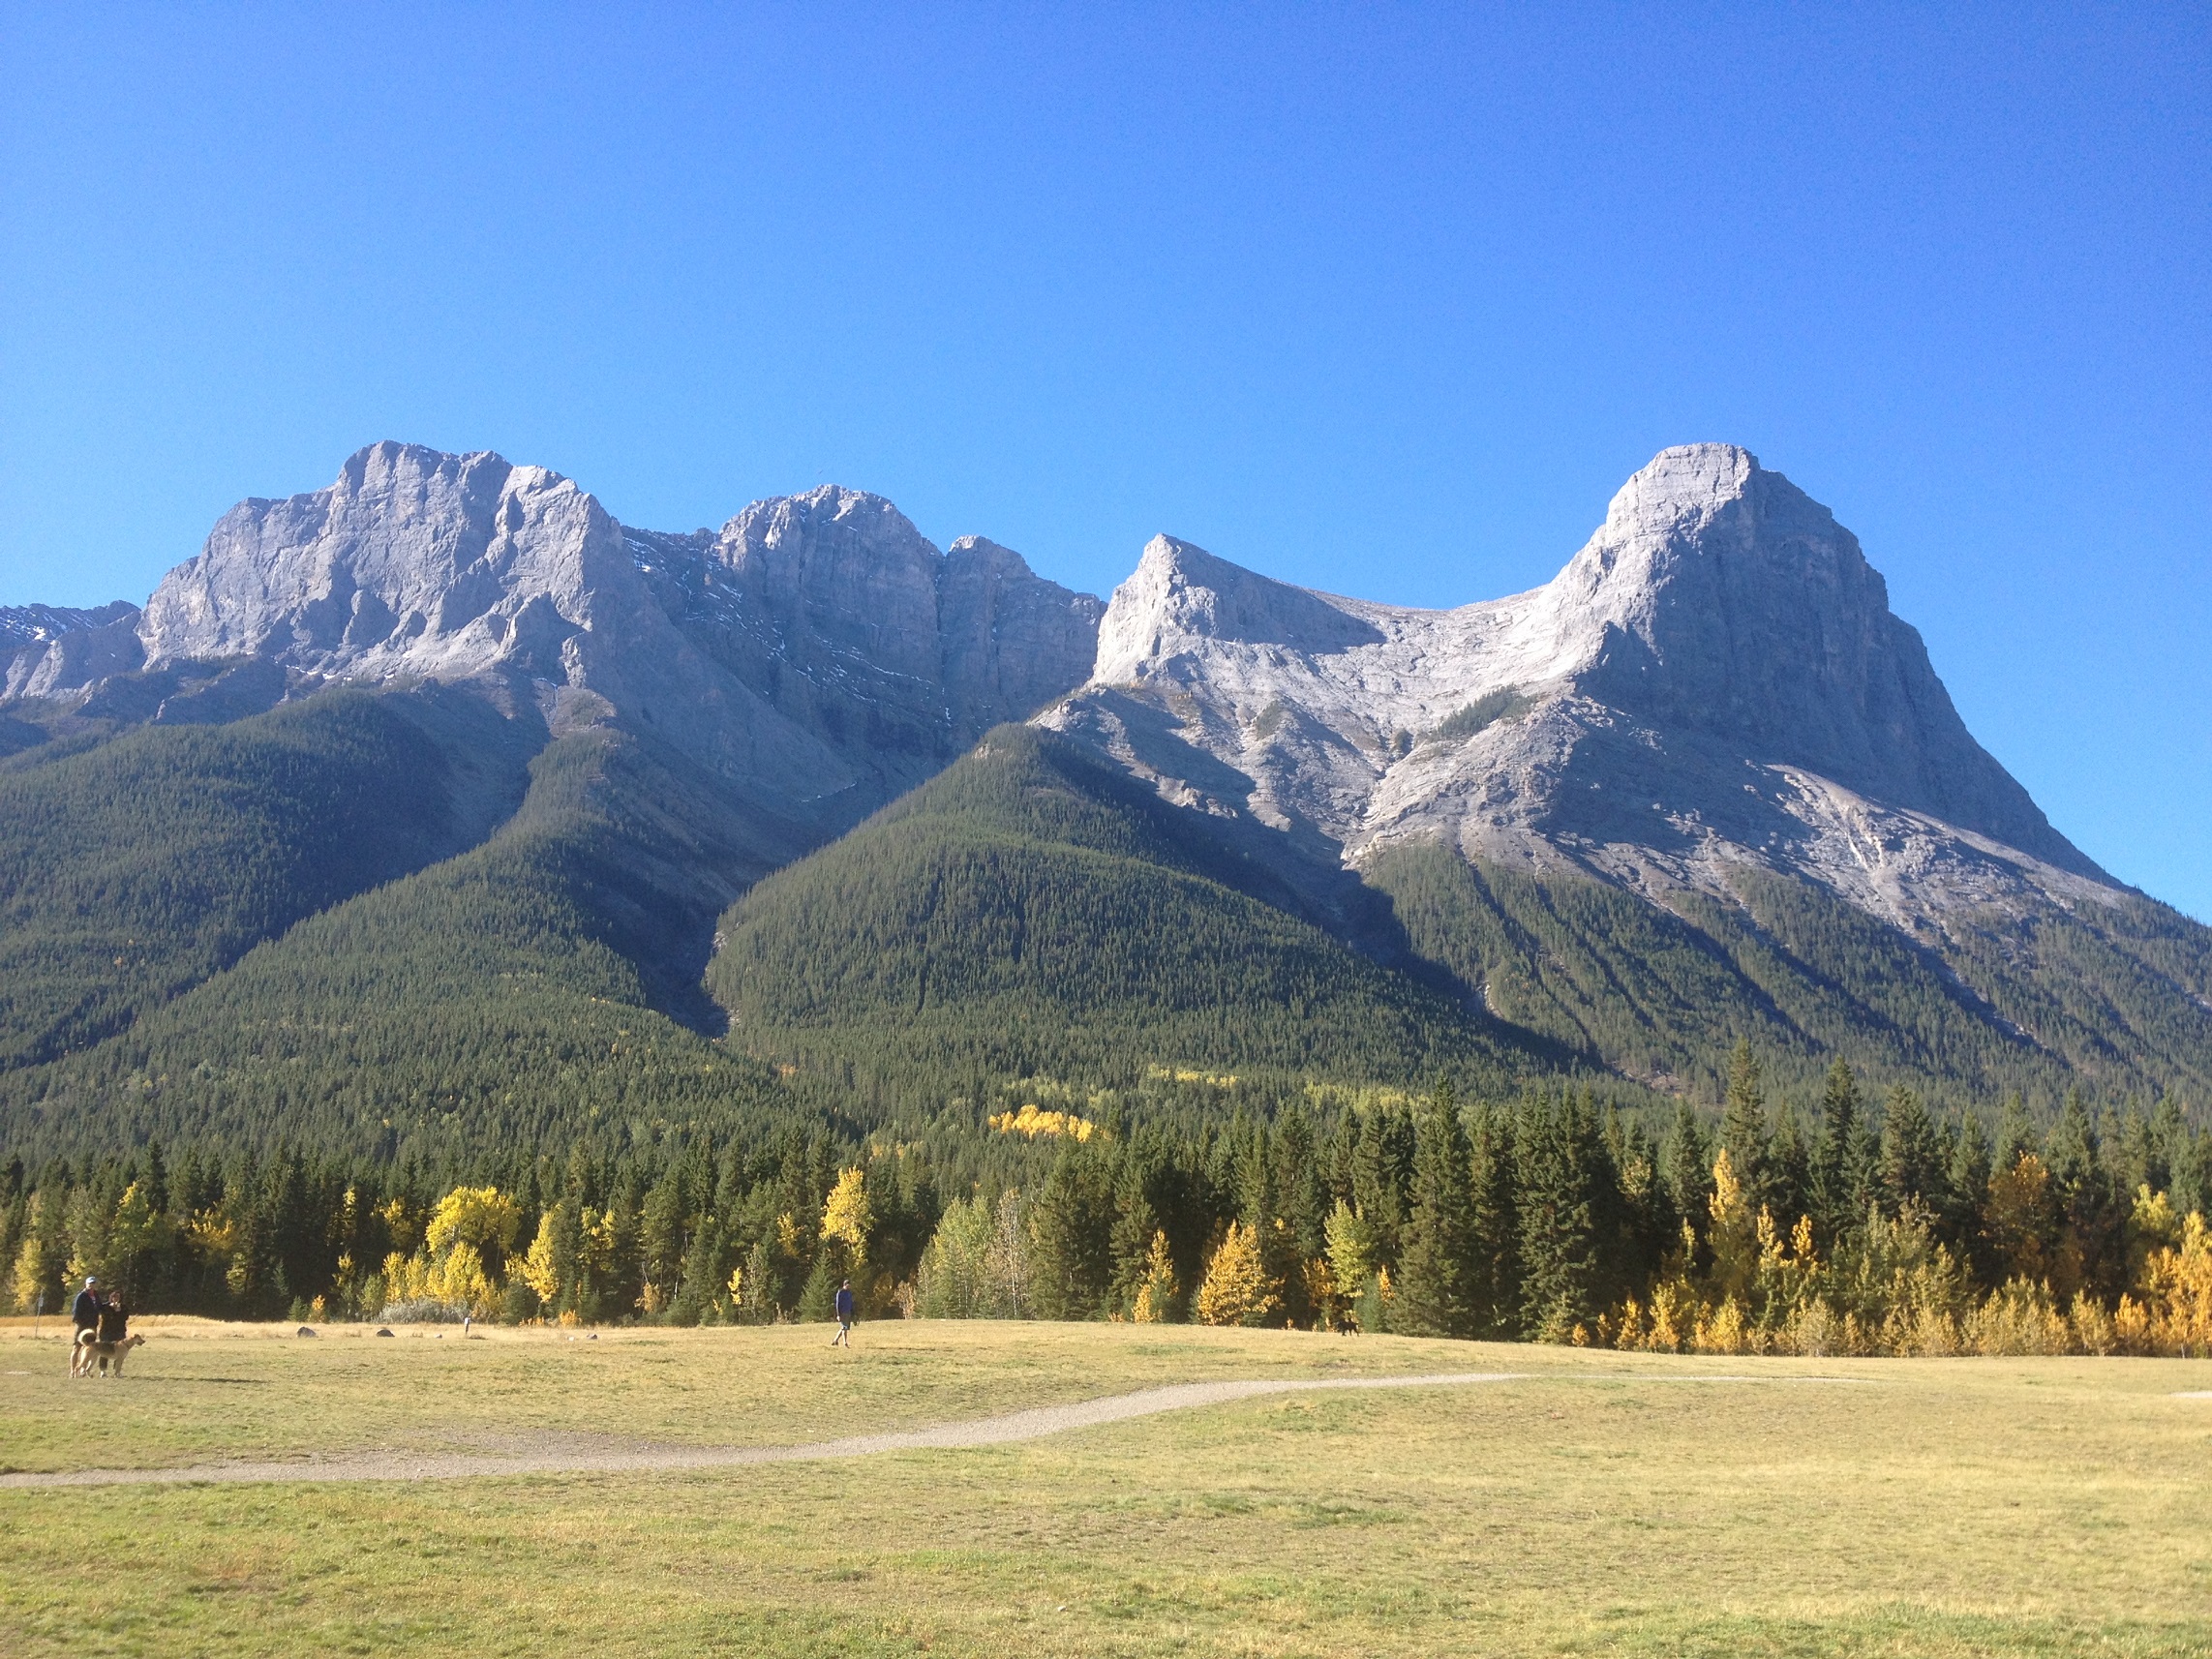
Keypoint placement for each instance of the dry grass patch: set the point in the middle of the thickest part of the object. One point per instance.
(1944, 1508)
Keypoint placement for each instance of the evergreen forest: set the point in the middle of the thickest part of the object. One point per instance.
(403, 1006)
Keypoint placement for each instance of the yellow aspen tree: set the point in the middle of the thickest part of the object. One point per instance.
(1156, 1295)
(1734, 1232)
(1236, 1290)
(540, 1270)
(847, 1215)
(481, 1215)
(1351, 1249)
(2177, 1290)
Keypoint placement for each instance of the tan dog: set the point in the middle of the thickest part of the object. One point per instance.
(107, 1357)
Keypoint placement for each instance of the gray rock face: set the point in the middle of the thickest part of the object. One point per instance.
(44, 644)
(836, 612)
(817, 656)
(1714, 680)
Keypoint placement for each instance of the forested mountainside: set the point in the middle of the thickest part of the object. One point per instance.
(136, 870)
(2035, 1000)
(1033, 910)
(428, 815)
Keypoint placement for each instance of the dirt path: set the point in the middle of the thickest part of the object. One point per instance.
(560, 1454)
(568, 1459)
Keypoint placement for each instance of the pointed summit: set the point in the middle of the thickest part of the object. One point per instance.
(1181, 598)
(1719, 632)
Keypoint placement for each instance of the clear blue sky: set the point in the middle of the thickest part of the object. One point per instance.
(1384, 300)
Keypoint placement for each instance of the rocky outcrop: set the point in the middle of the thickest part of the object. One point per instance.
(44, 646)
(836, 612)
(1714, 680)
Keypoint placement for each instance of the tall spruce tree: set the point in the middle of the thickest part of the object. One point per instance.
(1495, 1246)
(2015, 1134)
(2090, 1251)
(1564, 1201)
(1914, 1169)
(1136, 1220)
(1686, 1165)
(1789, 1176)
(1071, 1230)
(1301, 1212)
(1835, 1205)
(1967, 1193)
(1436, 1293)
(1381, 1173)
(1744, 1125)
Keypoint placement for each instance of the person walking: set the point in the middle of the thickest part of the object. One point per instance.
(844, 1315)
(84, 1315)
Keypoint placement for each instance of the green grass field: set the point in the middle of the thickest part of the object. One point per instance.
(1606, 1504)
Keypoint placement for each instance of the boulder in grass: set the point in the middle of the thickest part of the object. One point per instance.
(306, 1331)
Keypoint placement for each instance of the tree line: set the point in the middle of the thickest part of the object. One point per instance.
(1853, 1226)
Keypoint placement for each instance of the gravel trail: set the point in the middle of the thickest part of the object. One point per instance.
(568, 1459)
(560, 1454)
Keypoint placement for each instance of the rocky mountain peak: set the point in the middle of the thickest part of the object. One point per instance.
(1714, 677)
(817, 653)
(1181, 599)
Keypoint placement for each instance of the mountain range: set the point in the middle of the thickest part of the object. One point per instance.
(439, 802)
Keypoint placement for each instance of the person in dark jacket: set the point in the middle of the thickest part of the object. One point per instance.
(114, 1321)
(844, 1315)
(84, 1315)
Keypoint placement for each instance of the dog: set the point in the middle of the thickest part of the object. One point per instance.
(94, 1354)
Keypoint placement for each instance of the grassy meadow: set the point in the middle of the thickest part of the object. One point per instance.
(1609, 1503)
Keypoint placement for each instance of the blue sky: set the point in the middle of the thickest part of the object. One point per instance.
(1384, 300)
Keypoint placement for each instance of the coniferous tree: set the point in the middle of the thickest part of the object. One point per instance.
(1071, 1230)
(1968, 1196)
(661, 1240)
(2090, 1253)
(2168, 1137)
(1301, 1195)
(1649, 1227)
(2015, 1134)
(1789, 1176)
(1564, 1202)
(1381, 1174)
(1137, 1229)
(1686, 1165)
(1437, 1291)
(1744, 1125)
(1913, 1164)
(703, 1278)
(2190, 1155)
(1496, 1244)
(1836, 1204)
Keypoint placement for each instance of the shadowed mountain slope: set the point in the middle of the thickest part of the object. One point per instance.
(1035, 909)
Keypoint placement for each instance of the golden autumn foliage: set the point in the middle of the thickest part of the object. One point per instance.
(1156, 1294)
(1031, 1122)
(1350, 1244)
(547, 1266)
(1237, 1290)
(847, 1215)
(1895, 1289)
(2174, 1312)
(483, 1216)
